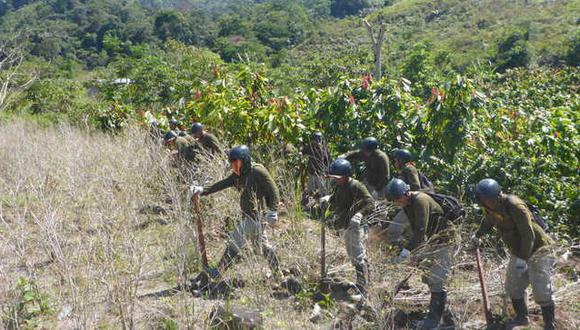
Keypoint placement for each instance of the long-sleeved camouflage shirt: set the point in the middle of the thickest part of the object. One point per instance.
(318, 158)
(377, 170)
(425, 217)
(522, 235)
(258, 191)
(410, 175)
(210, 143)
(349, 199)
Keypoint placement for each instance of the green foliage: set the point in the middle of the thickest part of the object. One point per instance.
(171, 25)
(279, 74)
(169, 324)
(241, 104)
(450, 114)
(418, 68)
(513, 51)
(573, 56)
(280, 25)
(31, 304)
(55, 99)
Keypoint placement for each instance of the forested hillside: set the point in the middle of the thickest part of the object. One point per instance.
(93, 216)
(298, 33)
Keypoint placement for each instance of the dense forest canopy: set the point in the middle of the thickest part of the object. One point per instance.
(93, 33)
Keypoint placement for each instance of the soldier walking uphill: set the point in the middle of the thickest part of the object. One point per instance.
(427, 222)
(259, 204)
(403, 161)
(532, 259)
(177, 127)
(376, 162)
(350, 202)
(208, 141)
(318, 162)
(184, 150)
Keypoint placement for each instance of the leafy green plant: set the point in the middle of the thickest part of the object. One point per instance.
(31, 304)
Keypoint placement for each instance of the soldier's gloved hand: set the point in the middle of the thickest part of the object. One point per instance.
(475, 239)
(521, 265)
(402, 256)
(357, 218)
(196, 190)
(271, 217)
(323, 202)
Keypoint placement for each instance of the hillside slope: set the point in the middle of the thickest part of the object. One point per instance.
(457, 33)
(91, 238)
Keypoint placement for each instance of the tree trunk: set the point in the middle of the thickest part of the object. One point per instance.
(377, 47)
(10, 60)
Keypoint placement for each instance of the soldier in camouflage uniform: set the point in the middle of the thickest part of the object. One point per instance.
(377, 171)
(398, 230)
(429, 244)
(351, 203)
(208, 142)
(259, 204)
(318, 163)
(184, 150)
(532, 258)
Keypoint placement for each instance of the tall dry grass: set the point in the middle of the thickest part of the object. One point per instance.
(93, 225)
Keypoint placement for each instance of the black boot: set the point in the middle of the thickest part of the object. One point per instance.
(226, 261)
(549, 317)
(521, 309)
(272, 258)
(436, 308)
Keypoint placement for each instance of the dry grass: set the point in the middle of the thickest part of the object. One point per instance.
(73, 230)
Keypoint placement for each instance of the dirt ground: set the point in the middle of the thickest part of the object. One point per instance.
(95, 232)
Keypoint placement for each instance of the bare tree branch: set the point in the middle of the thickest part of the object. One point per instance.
(11, 58)
(377, 46)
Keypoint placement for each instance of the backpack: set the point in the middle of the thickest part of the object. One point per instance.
(453, 210)
(425, 182)
(537, 217)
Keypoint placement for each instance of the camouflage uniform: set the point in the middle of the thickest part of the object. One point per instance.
(351, 202)
(377, 170)
(398, 230)
(258, 194)
(318, 162)
(527, 241)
